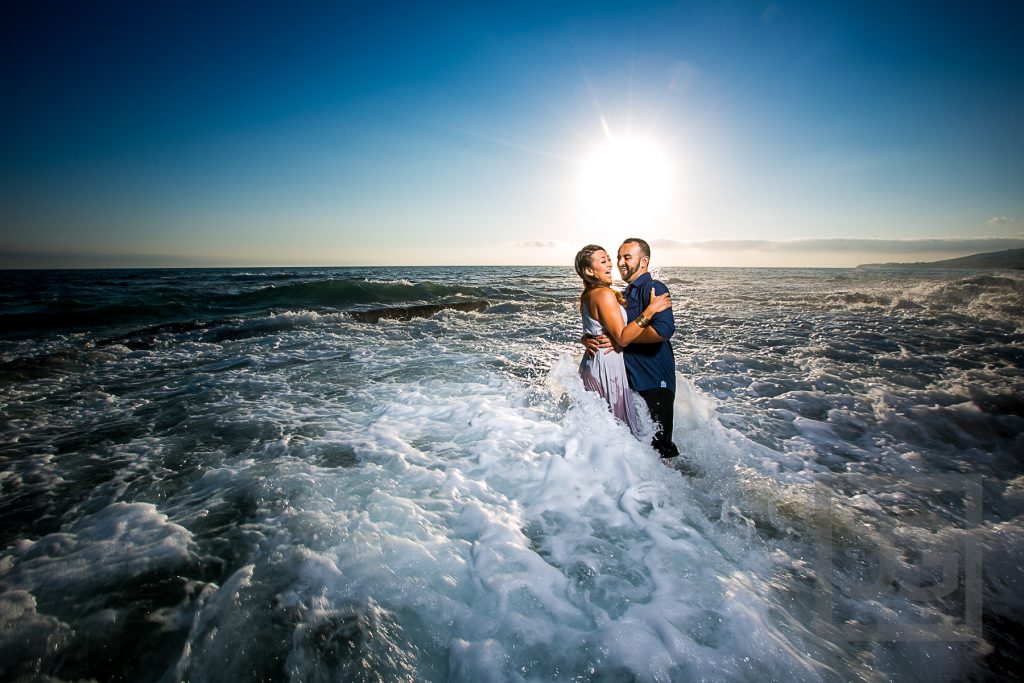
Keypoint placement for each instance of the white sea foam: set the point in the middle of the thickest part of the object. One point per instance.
(438, 499)
(121, 545)
(121, 541)
(389, 281)
(521, 547)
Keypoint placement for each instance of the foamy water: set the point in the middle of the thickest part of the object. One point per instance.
(220, 475)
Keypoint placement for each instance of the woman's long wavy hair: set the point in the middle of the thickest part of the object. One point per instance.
(583, 261)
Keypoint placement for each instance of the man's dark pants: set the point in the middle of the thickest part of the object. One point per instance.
(660, 403)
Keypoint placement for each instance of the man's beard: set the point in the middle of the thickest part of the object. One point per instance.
(630, 272)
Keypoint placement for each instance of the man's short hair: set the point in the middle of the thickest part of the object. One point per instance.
(645, 248)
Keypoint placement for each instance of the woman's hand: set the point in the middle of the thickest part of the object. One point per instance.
(658, 303)
(595, 343)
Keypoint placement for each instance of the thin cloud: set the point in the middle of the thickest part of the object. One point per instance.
(852, 244)
(720, 245)
(535, 244)
(18, 257)
(669, 244)
(770, 12)
(1003, 220)
(681, 76)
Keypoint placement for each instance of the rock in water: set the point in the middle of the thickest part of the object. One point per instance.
(424, 311)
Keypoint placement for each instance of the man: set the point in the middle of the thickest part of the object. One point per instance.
(650, 365)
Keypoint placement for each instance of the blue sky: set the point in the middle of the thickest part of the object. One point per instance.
(790, 133)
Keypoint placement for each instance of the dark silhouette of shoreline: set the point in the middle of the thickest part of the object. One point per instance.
(1010, 258)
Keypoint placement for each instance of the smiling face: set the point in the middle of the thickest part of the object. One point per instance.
(632, 261)
(601, 266)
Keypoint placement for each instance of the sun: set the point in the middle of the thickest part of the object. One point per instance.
(626, 182)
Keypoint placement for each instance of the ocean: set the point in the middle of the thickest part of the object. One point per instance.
(224, 474)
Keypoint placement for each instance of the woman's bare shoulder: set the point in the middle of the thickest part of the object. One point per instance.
(601, 294)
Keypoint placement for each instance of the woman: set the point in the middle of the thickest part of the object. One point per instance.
(602, 310)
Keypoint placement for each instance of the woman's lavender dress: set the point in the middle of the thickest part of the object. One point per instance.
(605, 373)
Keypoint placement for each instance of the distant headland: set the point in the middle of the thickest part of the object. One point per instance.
(1010, 258)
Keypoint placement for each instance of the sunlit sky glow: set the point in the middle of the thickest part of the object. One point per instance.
(725, 133)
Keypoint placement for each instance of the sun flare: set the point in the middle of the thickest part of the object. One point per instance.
(626, 181)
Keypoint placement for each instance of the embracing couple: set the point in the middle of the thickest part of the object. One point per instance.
(626, 336)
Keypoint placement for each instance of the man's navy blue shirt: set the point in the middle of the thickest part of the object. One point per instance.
(650, 366)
